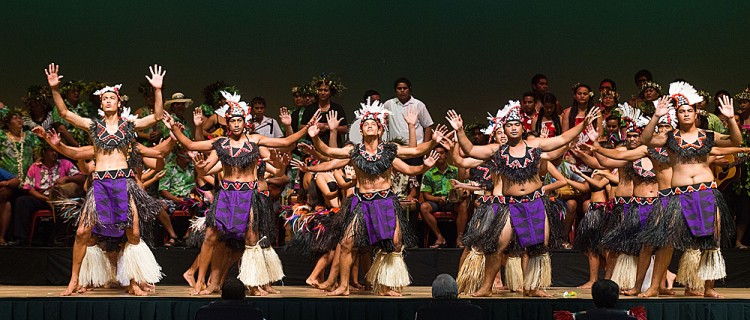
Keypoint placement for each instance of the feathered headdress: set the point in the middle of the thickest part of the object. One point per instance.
(234, 108)
(125, 114)
(684, 93)
(670, 118)
(511, 112)
(115, 89)
(631, 118)
(372, 110)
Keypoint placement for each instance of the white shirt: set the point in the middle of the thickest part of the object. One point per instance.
(355, 134)
(397, 126)
(269, 127)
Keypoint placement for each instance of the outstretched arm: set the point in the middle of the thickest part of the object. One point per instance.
(598, 183)
(53, 139)
(205, 145)
(156, 80)
(338, 153)
(722, 151)
(320, 167)
(54, 83)
(424, 147)
(624, 155)
(560, 180)
(404, 168)
(456, 157)
(553, 143)
(649, 136)
(288, 140)
(478, 152)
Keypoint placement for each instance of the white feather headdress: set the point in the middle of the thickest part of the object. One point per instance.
(684, 93)
(510, 112)
(234, 107)
(115, 89)
(372, 110)
(495, 122)
(633, 118)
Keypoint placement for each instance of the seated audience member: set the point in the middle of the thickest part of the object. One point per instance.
(445, 303)
(436, 185)
(264, 125)
(231, 306)
(51, 172)
(605, 294)
(8, 183)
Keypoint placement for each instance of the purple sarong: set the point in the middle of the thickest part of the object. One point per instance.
(699, 210)
(233, 212)
(111, 198)
(379, 215)
(644, 210)
(528, 221)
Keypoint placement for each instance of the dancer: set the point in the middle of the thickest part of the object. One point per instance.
(521, 208)
(696, 216)
(373, 216)
(115, 205)
(238, 214)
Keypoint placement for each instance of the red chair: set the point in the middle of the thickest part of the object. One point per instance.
(36, 216)
(440, 216)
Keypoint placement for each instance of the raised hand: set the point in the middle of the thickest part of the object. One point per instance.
(592, 115)
(157, 76)
(54, 137)
(333, 120)
(411, 116)
(313, 131)
(285, 116)
(39, 132)
(662, 106)
(726, 106)
(199, 160)
(448, 141)
(52, 75)
(315, 119)
(586, 147)
(198, 117)
(440, 132)
(161, 174)
(544, 132)
(299, 165)
(167, 120)
(430, 160)
(455, 120)
(305, 148)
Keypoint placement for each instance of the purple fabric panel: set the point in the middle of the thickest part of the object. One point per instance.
(233, 213)
(643, 212)
(528, 222)
(380, 218)
(699, 210)
(111, 197)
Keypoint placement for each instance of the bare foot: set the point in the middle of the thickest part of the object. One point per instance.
(136, 291)
(670, 279)
(188, 276)
(327, 286)
(313, 283)
(390, 293)
(739, 245)
(482, 293)
(271, 290)
(649, 293)
(711, 293)
(211, 288)
(197, 288)
(586, 285)
(666, 292)
(340, 291)
(692, 292)
(633, 292)
(147, 287)
(72, 286)
(356, 286)
(258, 292)
(538, 293)
(81, 289)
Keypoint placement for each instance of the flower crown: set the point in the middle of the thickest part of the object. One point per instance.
(330, 80)
(744, 95)
(115, 89)
(372, 110)
(684, 93)
(650, 84)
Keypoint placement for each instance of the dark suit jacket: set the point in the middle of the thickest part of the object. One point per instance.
(604, 314)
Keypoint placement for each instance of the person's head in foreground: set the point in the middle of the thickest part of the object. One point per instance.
(233, 289)
(605, 294)
(444, 287)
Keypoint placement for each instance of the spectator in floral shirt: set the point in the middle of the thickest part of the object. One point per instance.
(8, 183)
(41, 178)
(175, 188)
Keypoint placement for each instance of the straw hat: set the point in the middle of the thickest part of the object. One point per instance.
(178, 97)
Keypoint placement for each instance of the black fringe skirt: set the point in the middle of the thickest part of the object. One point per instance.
(589, 232)
(311, 238)
(669, 226)
(624, 237)
(350, 222)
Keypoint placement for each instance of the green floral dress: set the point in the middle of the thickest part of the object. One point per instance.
(17, 157)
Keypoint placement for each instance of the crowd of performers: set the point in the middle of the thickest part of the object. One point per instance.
(649, 196)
